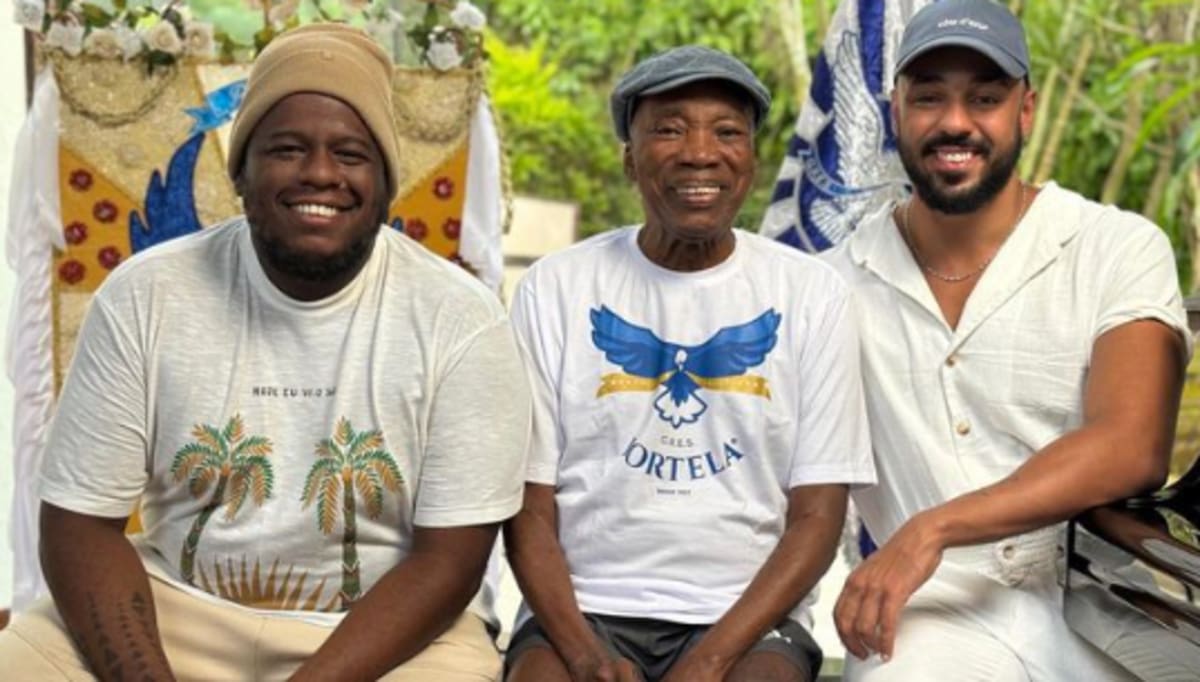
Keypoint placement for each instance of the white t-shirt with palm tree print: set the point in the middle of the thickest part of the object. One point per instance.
(283, 451)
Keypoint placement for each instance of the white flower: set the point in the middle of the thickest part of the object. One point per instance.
(198, 39)
(103, 43)
(468, 16)
(30, 14)
(66, 37)
(130, 41)
(162, 37)
(443, 56)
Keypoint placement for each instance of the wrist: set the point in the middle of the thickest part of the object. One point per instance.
(933, 529)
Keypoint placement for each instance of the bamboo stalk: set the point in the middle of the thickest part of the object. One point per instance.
(1041, 123)
(791, 26)
(1158, 186)
(1129, 134)
(822, 18)
(1046, 165)
(1193, 235)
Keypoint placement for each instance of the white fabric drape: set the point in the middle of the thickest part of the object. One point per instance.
(34, 230)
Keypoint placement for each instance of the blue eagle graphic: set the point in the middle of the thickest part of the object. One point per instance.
(638, 351)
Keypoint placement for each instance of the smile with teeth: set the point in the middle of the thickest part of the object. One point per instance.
(698, 190)
(316, 210)
(954, 157)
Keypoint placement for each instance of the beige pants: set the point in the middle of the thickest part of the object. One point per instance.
(212, 643)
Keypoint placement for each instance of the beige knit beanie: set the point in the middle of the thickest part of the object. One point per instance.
(330, 59)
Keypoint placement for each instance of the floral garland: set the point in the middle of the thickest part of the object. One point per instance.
(442, 34)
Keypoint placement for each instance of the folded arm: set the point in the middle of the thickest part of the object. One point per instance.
(814, 524)
(106, 604)
(408, 607)
(540, 567)
(1123, 448)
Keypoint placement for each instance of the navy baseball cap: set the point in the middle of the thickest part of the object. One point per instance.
(677, 67)
(980, 25)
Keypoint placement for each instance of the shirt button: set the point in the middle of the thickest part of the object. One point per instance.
(951, 361)
(1008, 552)
(963, 427)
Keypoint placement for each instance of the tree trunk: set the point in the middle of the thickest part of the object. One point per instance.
(351, 581)
(187, 559)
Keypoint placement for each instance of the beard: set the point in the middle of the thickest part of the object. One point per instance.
(316, 268)
(939, 196)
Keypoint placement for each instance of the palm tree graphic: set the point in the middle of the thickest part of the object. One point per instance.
(240, 466)
(350, 463)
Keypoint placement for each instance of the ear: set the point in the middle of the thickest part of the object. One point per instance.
(1028, 107)
(239, 182)
(894, 109)
(628, 164)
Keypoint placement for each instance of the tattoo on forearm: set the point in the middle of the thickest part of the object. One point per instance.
(125, 643)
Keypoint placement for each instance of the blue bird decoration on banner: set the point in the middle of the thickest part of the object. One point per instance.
(170, 204)
(842, 161)
(718, 364)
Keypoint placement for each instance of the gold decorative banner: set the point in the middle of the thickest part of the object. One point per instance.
(742, 383)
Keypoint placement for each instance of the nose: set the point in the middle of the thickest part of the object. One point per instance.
(320, 169)
(699, 149)
(956, 118)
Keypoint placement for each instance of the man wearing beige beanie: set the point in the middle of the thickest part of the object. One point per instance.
(320, 423)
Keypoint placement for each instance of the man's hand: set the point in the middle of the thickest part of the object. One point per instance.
(696, 667)
(605, 669)
(868, 609)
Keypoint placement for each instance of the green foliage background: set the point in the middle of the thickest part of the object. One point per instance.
(554, 63)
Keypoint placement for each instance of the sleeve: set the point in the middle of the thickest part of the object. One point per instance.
(545, 443)
(96, 459)
(1140, 282)
(833, 441)
(478, 434)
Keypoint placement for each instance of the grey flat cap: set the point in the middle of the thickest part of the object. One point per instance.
(981, 25)
(677, 67)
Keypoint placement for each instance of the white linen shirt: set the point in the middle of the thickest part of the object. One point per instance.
(954, 410)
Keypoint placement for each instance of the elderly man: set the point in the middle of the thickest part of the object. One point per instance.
(1023, 353)
(324, 423)
(698, 414)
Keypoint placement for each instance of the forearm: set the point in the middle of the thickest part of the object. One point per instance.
(790, 572)
(106, 604)
(1123, 447)
(541, 571)
(1085, 468)
(404, 611)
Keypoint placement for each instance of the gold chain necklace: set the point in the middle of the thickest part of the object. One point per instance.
(912, 244)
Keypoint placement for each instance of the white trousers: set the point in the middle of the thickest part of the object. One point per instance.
(962, 626)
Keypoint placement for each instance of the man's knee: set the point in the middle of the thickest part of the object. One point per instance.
(36, 646)
(537, 663)
(768, 666)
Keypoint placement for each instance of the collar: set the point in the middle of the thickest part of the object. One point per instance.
(1053, 219)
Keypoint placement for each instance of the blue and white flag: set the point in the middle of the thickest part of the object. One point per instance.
(842, 161)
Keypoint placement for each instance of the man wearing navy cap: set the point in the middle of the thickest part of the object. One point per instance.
(698, 413)
(1023, 352)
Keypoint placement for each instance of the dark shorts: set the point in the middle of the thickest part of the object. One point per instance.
(656, 645)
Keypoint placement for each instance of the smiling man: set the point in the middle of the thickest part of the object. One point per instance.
(698, 414)
(1023, 354)
(321, 423)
